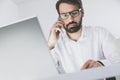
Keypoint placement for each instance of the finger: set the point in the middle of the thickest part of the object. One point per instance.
(86, 65)
(58, 30)
(92, 63)
(97, 64)
(60, 21)
(61, 28)
(60, 24)
(57, 25)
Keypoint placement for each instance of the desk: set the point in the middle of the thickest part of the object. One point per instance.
(91, 74)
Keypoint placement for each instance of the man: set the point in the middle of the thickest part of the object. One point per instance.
(75, 47)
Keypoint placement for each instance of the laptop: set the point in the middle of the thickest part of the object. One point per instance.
(24, 54)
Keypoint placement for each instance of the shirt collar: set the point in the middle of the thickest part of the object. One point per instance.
(67, 39)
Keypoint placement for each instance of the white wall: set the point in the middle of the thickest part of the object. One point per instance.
(45, 10)
(8, 12)
(103, 13)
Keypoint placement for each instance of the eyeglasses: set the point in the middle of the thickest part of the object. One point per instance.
(73, 14)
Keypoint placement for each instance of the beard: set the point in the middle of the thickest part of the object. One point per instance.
(74, 28)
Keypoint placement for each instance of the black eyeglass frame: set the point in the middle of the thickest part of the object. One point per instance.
(70, 14)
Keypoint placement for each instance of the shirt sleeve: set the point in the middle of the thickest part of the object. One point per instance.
(110, 50)
(56, 58)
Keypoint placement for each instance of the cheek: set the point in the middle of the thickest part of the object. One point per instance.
(78, 19)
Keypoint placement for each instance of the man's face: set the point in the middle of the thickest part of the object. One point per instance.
(71, 17)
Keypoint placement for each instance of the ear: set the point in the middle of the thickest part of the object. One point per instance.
(82, 12)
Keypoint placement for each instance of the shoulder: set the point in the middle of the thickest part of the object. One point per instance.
(96, 29)
(99, 32)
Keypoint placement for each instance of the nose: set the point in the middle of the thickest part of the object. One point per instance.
(70, 18)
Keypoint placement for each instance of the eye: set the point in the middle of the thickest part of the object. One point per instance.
(74, 13)
(63, 16)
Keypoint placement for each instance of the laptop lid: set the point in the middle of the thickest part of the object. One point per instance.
(24, 54)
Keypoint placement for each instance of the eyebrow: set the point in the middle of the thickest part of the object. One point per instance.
(71, 11)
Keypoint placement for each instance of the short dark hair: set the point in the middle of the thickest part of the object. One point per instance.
(78, 3)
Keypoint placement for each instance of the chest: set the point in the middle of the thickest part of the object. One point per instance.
(85, 49)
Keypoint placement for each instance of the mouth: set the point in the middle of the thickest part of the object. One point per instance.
(72, 25)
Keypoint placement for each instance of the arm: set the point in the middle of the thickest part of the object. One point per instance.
(57, 61)
(110, 49)
(54, 34)
(52, 43)
(110, 52)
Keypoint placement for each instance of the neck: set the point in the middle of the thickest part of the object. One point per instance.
(75, 36)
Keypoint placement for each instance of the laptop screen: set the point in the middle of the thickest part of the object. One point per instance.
(24, 54)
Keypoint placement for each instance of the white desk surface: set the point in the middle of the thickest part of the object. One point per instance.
(90, 74)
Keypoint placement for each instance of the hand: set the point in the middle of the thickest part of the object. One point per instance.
(54, 34)
(91, 64)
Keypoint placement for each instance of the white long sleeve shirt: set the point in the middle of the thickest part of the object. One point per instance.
(95, 43)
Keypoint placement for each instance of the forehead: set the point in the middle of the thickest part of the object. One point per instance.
(64, 7)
